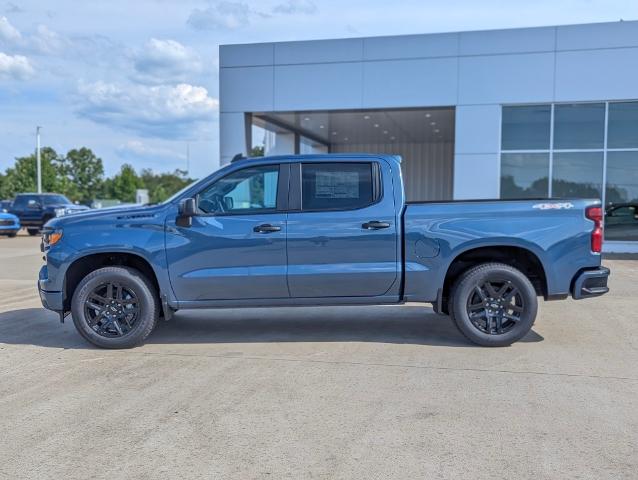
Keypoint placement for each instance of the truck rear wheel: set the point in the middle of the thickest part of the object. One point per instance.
(33, 231)
(115, 307)
(493, 304)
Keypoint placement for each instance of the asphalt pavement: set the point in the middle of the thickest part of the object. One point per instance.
(319, 393)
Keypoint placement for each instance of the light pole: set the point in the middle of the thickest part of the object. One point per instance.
(37, 158)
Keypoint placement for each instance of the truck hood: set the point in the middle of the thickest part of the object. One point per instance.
(7, 216)
(114, 214)
(68, 206)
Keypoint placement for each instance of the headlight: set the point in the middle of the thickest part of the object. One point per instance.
(59, 212)
(50, 238)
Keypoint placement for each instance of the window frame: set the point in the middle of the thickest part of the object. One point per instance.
(283, 176)
(296, 186)
(606, 149)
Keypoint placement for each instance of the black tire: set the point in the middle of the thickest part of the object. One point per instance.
(139, 289)
(487, 318)
(33, 231)
(12, 234)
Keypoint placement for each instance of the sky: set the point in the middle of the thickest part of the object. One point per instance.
(137, 80)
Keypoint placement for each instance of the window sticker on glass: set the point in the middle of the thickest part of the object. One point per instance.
(337, 184)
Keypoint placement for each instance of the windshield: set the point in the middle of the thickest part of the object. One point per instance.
(56, 200)
(175, 195)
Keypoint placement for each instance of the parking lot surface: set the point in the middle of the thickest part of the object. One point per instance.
(345, 393)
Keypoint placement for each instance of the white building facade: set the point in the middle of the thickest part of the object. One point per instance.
(521, 113)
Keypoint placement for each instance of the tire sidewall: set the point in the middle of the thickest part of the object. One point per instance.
(476, 276)
(134, 281)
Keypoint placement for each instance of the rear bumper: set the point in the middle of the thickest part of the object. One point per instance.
(590, 283)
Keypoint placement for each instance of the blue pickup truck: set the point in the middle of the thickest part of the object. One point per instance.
(35, 209)
(319, 230)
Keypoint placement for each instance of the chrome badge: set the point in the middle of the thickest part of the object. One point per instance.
(554, 206)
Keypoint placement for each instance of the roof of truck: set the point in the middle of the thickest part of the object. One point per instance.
(321, 157)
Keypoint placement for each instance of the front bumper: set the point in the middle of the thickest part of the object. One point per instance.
(590, 283)
(50, 300)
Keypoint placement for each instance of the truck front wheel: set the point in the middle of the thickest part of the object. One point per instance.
(115, 307)
(493, 304)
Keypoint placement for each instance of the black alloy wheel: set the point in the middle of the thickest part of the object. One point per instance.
(495, 307)
(111, 310)
(115, 307)
(493, 304)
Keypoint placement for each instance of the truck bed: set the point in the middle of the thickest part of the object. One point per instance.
(555, 231)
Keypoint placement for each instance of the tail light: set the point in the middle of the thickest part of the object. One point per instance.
(595, 214)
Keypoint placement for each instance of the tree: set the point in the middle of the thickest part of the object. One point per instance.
(85, 172)
(22, 176)
(80, 176)
(163, 185)
(123, 186)
(257, 151)
(3, 187)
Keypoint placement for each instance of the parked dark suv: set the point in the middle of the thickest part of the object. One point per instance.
(36, 209)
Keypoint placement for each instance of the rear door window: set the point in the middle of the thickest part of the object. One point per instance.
(336, 186)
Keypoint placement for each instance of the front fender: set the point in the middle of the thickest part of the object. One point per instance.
(142, 236)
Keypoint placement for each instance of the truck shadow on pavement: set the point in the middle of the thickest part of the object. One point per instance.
(406, 324)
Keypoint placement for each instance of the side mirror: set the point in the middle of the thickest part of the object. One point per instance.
(229, 203)
(187, 209)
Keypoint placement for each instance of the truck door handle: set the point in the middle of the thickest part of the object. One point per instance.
(266, 228)
(375, 225)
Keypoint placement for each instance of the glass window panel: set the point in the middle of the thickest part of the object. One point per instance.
(577, 175)
(623, 125)
(526, 127)
(336, 186)
(308, 146)
(524, 175)
(579, 126)
(248, 190)
(621, 221)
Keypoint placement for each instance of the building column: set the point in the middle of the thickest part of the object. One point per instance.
(476, 153)
(232, 136)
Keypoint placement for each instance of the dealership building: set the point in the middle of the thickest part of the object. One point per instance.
(520, 113)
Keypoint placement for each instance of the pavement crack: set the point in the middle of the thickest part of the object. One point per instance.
(386, 365)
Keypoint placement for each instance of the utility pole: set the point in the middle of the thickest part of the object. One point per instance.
(37, 158)
(188, 158)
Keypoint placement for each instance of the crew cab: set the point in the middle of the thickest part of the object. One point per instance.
(35, 209)
(319, 230)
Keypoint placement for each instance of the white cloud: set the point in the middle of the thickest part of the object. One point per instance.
(180, 111)
(136, 149)
(16, 67)
(165, 61)
(8, 32)
(42, 41)
(46, 41)
(223, 16)
(294, 7)
(229, 15)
